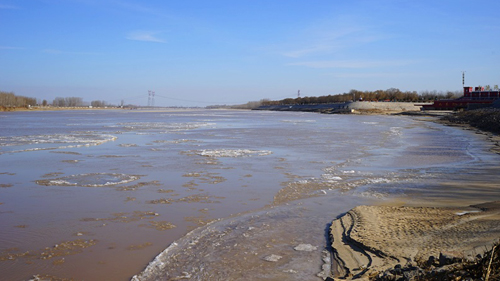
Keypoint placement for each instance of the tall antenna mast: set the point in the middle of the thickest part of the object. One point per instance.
(298, 94)
(463, 79)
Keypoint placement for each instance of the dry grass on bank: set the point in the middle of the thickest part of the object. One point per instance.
(487, 268)
(486, 119)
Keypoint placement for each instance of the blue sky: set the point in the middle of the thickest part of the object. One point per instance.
(198, 53)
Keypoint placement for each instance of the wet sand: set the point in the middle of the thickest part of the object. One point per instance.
(286, 242)
(370, 239)
(271, 245)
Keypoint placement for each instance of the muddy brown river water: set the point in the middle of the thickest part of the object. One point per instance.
(97, 195)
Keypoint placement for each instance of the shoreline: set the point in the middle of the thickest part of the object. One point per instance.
(463, 122)
(413, 203)
(367, 232)
(359, 231)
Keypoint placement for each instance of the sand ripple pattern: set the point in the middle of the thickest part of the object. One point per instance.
(372, 238)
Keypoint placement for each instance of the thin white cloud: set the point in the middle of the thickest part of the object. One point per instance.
(147, 36)
(330, 35)
(11, 48)
(135, 7)
(59, 52)
(308, 50)
(8, 7)
(52, 51)
(332, 43)
(368, 75)
(319, 39)
(352, 63)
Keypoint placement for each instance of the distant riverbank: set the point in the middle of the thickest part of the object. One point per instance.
(360, 107)
(486, 119)
(52, 108)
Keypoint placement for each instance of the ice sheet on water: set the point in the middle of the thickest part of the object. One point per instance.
(396, 131)
(14, 144)
(90, 180)
(298, 121)
(330, 177)
(232, 152)
(163, 126)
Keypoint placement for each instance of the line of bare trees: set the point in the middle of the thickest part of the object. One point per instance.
(8, 99)
(68, 102)
(391, 94)
(98, 103)
(77, 102)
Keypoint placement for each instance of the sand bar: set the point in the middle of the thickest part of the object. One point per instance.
(370, 239)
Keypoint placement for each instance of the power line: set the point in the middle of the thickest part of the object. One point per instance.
(128, 98)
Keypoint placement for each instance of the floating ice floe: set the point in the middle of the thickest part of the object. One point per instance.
(51, 142)
(90, 180)
(379, 180)
(128, 145)
(298, 121)
(396, 131)
(232, 152)
(163, 126)
(305, 247)
(175, 141)
(272, 258)
(329, 177)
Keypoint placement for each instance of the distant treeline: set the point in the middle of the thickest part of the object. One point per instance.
(68, 102)
(10, 100)
(78, 102)
(391, 94)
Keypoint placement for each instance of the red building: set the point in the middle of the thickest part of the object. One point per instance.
(478, 96)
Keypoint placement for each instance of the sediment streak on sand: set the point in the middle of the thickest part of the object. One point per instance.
(372, 238)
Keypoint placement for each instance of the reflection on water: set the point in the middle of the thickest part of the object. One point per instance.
(162, 174)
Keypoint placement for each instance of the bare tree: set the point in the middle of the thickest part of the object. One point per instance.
(8, 99)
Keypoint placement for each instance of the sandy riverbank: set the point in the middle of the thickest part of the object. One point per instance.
(368, 240)
(421, 243)
(484, 121)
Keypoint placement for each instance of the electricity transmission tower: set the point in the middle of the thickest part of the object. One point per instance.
(151, 98)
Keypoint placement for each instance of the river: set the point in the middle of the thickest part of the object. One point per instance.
(98, 194)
